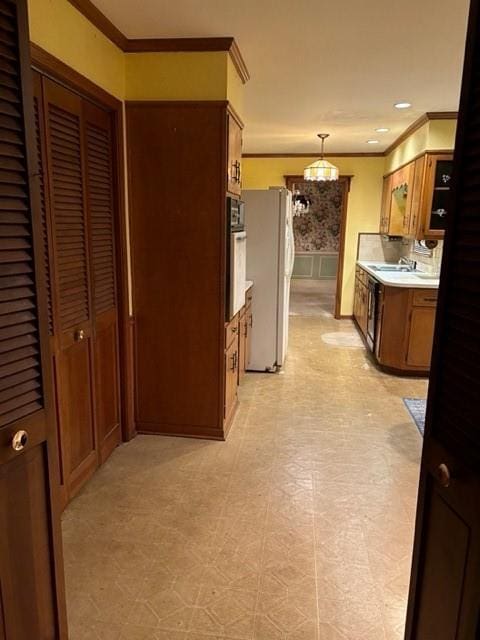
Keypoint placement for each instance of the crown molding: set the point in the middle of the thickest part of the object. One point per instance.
(415, 126)
(101, 22)
(430, 115)
(314, 154)
(157, 45)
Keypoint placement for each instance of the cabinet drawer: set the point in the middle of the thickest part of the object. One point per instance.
(425, 297)
(231, 331)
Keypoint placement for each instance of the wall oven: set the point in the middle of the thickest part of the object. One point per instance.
(236, 256)
(373, 301)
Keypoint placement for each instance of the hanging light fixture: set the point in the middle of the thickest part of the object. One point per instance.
(301, 204)
(321, 169)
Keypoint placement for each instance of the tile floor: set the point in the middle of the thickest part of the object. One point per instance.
(299, 527)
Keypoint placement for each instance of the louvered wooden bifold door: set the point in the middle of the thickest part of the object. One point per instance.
(75, 148)
(100, 204)
(31, 605)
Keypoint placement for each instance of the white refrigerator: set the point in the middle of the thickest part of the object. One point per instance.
(270, 257)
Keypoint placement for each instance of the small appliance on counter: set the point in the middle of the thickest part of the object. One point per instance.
(236, 256)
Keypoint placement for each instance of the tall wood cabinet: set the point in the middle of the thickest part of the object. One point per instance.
(180, 163)
(32, 601)
(75, 150)
(234, 160)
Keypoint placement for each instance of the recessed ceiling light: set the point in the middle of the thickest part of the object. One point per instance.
(382, 130)
(402, 105)
(372, 141)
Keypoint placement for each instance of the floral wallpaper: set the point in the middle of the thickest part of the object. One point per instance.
(319, 229)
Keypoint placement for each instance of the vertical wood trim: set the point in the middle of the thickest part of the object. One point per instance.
(341, 250)
(125, 321)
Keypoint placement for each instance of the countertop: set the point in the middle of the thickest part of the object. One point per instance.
(398, 279)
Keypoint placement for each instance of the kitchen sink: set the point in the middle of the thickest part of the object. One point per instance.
(391, 267)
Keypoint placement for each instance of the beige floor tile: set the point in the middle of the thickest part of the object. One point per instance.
(299, 527)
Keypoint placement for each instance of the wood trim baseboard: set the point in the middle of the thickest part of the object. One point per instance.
(157, 45)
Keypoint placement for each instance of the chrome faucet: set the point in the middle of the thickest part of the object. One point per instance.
(411, 264)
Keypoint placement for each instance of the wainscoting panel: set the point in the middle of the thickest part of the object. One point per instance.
(315, 265)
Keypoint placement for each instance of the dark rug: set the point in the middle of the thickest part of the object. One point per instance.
(417, 408)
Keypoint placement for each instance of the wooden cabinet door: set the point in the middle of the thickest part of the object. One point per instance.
(73, 315)
(356, 301)
(234, 163)
(436, 197)
(100, 209)
(420, 337)
(386, 204)
(242, 344)
(444, 598)
(415, 222)
(31, 573)
(231, 378)
(248, 335)
(401, 200)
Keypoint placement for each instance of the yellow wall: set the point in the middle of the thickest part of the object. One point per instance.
(235, 88)
(57, 27)
(364, 200)
(441, 134)
(177, 76)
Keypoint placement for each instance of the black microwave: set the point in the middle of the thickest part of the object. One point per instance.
(235, 215)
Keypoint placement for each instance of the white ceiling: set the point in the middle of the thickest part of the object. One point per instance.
(316, 65)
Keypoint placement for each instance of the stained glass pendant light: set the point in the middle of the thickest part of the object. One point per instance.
(321, 170)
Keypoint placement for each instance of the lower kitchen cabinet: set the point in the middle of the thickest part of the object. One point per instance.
(245, 335)
(406, 326)
(231, 377)
(360, 304)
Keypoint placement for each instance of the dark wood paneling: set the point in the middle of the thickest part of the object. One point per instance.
(177, 160)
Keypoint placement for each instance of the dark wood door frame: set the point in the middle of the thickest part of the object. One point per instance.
(290, 180)
(49, 66)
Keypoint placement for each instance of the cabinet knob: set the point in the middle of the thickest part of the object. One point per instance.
(443, 475)
(79, 335)
(19, 440)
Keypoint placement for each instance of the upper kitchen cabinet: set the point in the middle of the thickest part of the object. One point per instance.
(415, 198)
(397, 201)
(436, 195)
(234, 165)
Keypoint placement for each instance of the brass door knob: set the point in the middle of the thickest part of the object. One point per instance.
(79, 335)
(443, 475)
(19, 440)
